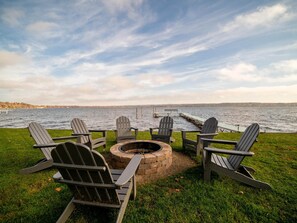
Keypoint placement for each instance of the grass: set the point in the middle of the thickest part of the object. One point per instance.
(180, 198)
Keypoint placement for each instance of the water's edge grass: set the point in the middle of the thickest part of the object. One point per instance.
(180, 198)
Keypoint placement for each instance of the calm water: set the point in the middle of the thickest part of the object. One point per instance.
(273, 118)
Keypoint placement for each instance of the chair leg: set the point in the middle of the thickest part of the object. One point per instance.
(124, 205)
(245, 171)
(249, 168)
(44, 164)
(207, 166)
(67, 212)
(246, 179)
(198, 149)
(134, 187)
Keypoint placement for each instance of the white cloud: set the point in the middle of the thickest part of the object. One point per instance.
(12, 17)
(155, 80)
(264, 16)
(43, 29)
(282, 93)
(239, 72)
(287, 66)
(128, 6)
(11, 58)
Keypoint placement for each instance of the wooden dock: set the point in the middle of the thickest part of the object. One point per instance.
(198, 121)
(167, 112)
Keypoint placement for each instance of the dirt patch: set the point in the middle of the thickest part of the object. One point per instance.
(180, 163)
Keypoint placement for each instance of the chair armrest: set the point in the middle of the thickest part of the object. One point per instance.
(208, 134)
(129, 171)
(229, 152)
(185, 131)
(65, 137)
(39, 146)
(219, 141)
(97, 130)
(152, 129)
(134, 128)
(81, 134)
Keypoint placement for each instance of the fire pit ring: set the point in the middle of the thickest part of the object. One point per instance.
(156, 157)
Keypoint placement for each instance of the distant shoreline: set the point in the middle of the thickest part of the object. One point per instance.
(21, 105)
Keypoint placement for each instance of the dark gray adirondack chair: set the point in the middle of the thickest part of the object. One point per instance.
(80, 129)
(231, 166)
(45, 143)
(208, 131)
(164, 130)
(124, 129)
(91, 181)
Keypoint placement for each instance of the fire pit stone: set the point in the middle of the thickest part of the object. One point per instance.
(155, 160)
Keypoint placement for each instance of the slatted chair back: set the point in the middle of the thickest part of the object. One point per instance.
(210, 125)
(166, 123)
(79, 126)
(87, 175)
(123, 126)
(41, 137)
(245, 143)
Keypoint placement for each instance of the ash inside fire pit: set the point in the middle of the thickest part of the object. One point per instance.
(140, 147)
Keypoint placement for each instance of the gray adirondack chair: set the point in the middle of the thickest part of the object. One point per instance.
(79, 128)
(124, 129)
(164, 130)
(231, 166)
(91, 181)
(45, 143)
(208, 131)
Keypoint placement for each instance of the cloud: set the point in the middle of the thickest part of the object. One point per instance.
(264, 16)
(11, 58)
(284, 71)
(239, 72)
(12, 17)
(43, 29)
(128, 6)
(287, 66)
(155, 80)
(282, 93)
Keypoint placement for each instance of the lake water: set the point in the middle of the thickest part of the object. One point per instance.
(271, 117)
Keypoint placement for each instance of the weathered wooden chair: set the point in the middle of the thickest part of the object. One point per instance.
(164, 130)
(91, 181)
(231, 166)
(208, 131)
(45, 143)
(124, 130)
(80, 129)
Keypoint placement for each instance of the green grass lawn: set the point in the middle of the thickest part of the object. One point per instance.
(181, 198)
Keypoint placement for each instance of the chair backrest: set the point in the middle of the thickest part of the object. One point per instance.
(87, 175)
(210, 125)
(166, 123)
(123, 126)
(41, 137)
(245, 143)
(79, 126)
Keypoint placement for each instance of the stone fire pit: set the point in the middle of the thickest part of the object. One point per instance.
(156, 157)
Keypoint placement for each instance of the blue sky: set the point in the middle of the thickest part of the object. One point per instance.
(133, 52)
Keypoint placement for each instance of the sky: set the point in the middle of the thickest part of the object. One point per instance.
(139, 52)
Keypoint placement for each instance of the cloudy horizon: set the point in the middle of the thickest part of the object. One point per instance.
(137, 52)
